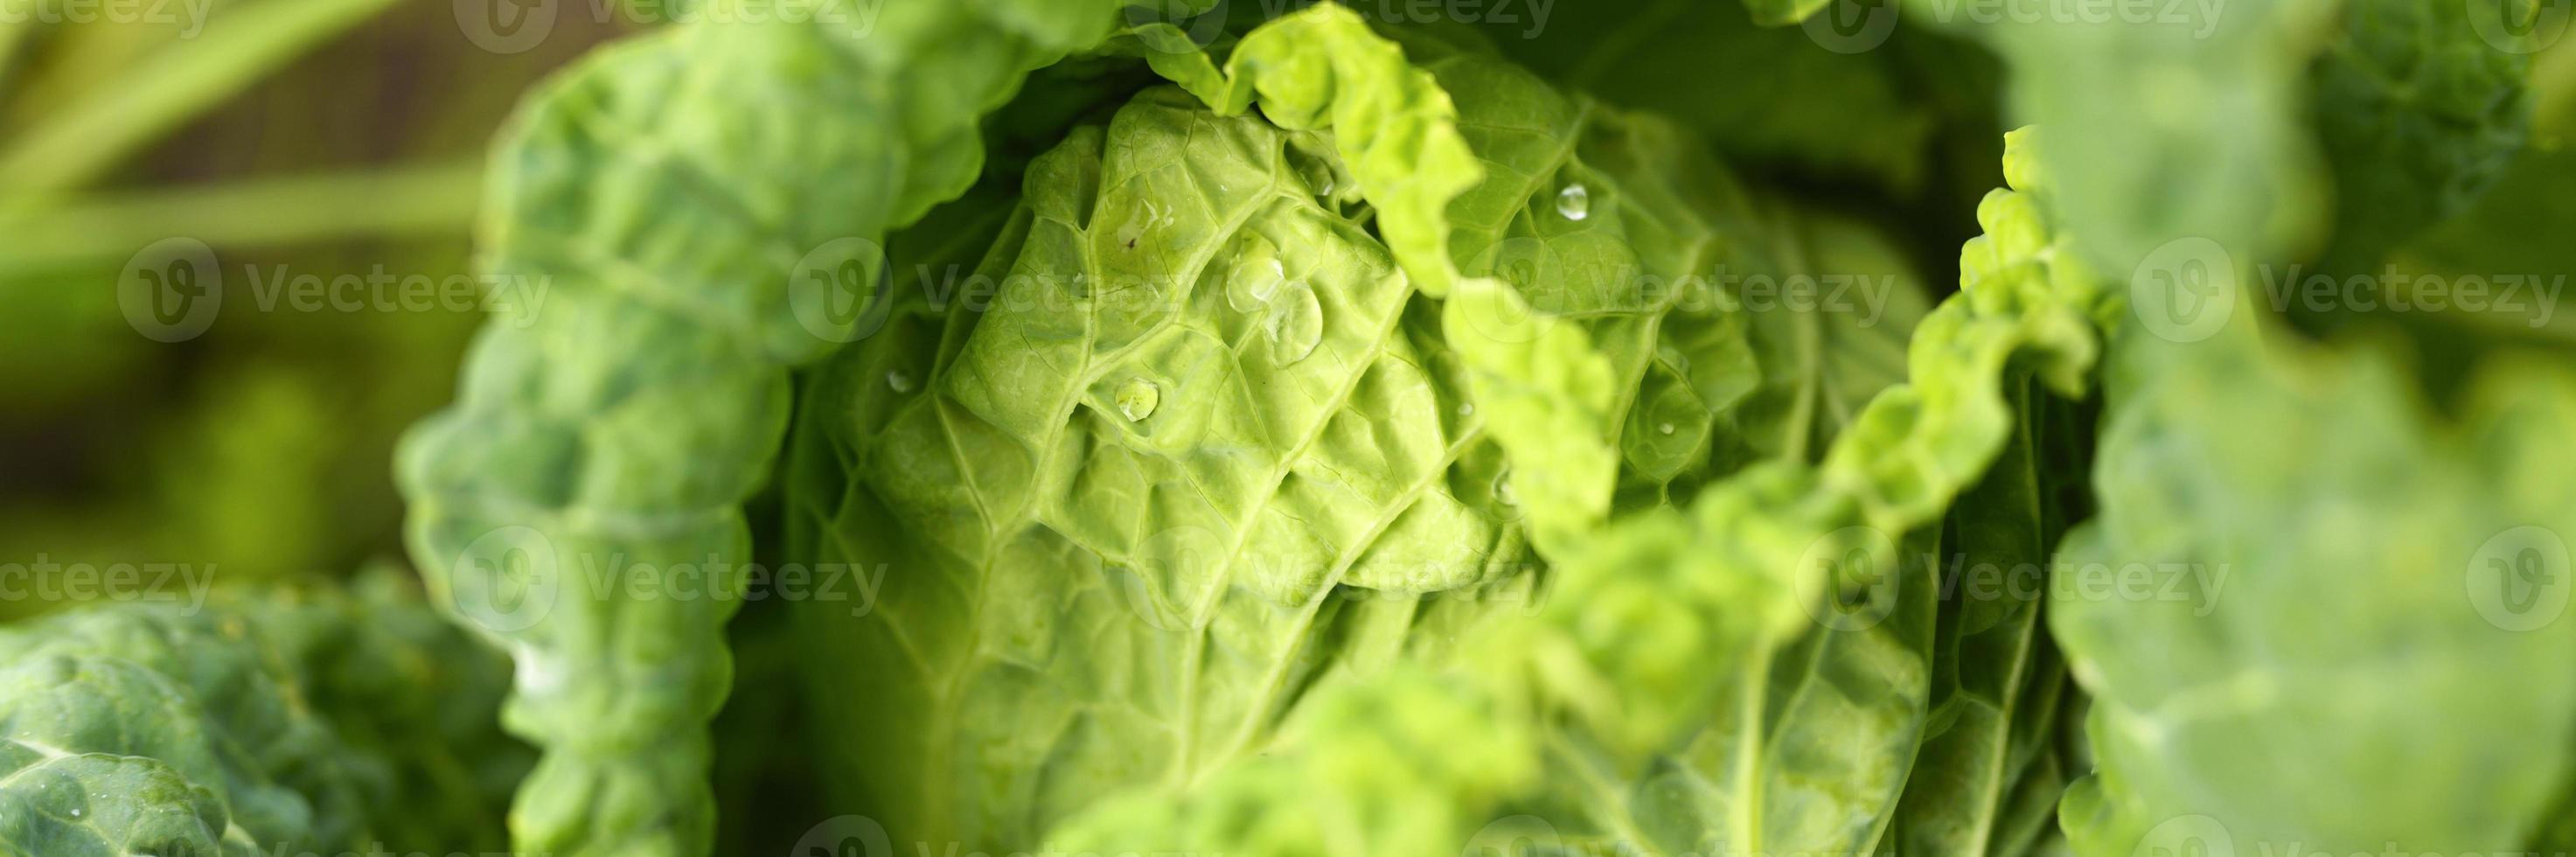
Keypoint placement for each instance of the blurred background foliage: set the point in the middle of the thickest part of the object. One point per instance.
(328, 137)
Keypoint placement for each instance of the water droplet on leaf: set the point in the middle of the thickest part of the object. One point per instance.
(1666, 428)
(901, 383)
(1466, 409)
(1254, 280)
(1137, 398)
(1574, 202)
(1296, 323)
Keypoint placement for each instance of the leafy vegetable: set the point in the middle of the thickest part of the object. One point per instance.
(291, 720)
(1186, 427)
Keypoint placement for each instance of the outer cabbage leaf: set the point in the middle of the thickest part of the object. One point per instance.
(2367, 628)
(2418, 111)
(667, 188)
(2280, 129)
(301, 721)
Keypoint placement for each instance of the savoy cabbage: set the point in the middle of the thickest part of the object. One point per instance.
(1296, 431)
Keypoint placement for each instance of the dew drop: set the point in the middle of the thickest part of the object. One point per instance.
(1574, 202)
(1503, 490)
(1666, 428)
(1466, 409)
(1137, 399)
(1254, 280)
(1296, 323)
(899, 382)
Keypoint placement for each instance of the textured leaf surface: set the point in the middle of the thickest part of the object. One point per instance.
(2418, 113)
(1688, 627)
(2358, 634)
(667, 188)
(1247, 459)
(288, 720)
